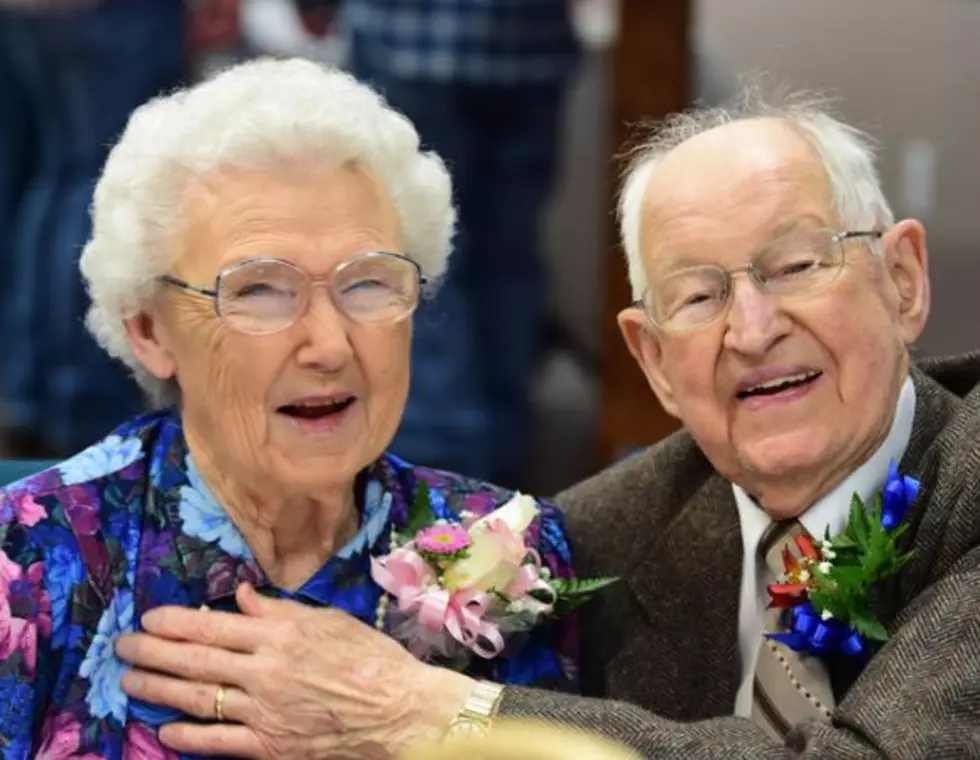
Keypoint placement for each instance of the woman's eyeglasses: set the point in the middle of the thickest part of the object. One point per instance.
(265, 295)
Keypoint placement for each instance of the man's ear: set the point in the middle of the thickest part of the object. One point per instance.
(907, 259)
(644, 344)
(147, 337)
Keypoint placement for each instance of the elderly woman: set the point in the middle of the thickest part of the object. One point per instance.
(260, 243)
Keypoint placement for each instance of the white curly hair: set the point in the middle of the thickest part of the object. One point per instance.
(254, 116)
(846, 153)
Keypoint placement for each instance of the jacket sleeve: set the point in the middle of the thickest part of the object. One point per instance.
(919, 697)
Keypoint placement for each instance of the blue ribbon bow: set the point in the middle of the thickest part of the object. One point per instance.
(810, 634)
(896, 497)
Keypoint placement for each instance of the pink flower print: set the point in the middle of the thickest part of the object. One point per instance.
(82, 514)
(26, 511)
(61, 737)
(24, 592)
(480, 504)
(18, 633)
(9, 570)
(142, 744)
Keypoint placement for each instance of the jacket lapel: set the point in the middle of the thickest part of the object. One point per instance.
(682, 660)
(934, 406)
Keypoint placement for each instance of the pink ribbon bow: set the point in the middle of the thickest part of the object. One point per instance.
(412, 583)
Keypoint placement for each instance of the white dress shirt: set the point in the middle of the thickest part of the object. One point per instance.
(831, 512)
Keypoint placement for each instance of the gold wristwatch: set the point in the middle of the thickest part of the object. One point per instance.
(477, 714)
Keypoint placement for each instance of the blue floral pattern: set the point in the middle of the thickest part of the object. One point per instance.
(101, 667)
(128, 525)
(109, 456)
(203, 518)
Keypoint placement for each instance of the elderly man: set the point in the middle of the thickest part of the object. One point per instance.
(776, 297)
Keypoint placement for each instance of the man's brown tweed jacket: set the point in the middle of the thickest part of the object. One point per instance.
(660, 656)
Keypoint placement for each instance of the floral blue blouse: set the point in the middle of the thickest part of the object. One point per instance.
(127, 525)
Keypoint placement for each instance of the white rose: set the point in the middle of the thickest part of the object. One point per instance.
(516, 514)
(492, 560)
(494, 557)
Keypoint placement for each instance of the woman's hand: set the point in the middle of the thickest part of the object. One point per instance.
(298, 682)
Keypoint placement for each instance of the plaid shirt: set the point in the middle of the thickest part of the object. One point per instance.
(473, 41)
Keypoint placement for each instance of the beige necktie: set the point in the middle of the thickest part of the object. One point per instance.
(789, 687)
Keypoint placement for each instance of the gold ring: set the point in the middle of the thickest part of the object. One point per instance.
(219, 704)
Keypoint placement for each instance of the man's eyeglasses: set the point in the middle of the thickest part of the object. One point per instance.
(799, 264)
(265, 295)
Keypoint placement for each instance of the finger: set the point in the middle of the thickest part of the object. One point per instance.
(253, 604)
(190, 697)
(221, 739)
(192, 662)
(227, 630)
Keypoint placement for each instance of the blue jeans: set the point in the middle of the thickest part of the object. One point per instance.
(477, 343)
(67, 86)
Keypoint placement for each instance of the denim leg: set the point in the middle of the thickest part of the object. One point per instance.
(96, 67)
(445, 423)
(520, 129)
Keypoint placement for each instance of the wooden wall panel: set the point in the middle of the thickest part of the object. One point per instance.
(650, 80)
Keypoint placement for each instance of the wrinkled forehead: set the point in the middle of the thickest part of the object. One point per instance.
(292, 210)
(724, 201)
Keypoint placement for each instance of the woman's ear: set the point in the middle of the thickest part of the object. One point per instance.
(907, 259)
(147, 337)
(644, 344)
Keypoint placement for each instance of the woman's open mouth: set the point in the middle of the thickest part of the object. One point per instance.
(318, 413)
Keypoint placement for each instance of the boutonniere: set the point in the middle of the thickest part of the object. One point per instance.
(461, 587)
(828, 591)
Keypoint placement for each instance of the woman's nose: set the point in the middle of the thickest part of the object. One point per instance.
(327, 346)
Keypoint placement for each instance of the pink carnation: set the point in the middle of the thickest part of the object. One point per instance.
(442, 539)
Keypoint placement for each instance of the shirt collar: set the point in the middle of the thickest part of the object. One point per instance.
(830, 512)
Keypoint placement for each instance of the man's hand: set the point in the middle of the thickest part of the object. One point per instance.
(299, 682)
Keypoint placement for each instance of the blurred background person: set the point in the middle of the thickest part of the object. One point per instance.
(70, 73)
(484, 82)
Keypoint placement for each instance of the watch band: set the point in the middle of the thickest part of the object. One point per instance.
(478, 713)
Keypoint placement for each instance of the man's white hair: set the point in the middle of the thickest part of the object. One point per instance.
(846, 153)
(258, 116)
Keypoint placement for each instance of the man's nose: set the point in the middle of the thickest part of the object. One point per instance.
(756, 320)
